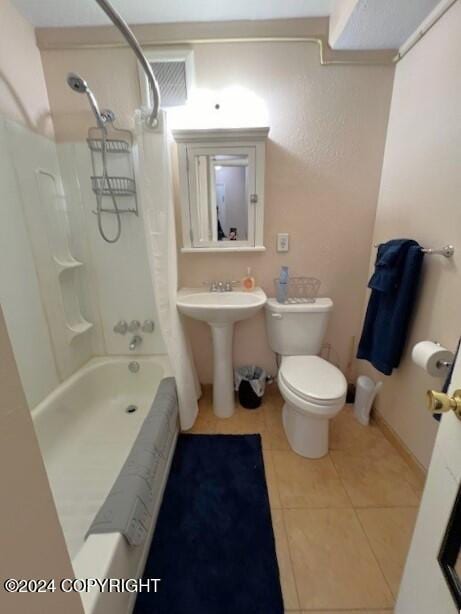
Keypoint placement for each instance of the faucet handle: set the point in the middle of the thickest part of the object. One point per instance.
(134, 325)
(229, 285)
(148, 326)
(212, 285)
(121, 327)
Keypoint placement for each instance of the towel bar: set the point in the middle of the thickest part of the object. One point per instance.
(447, 250)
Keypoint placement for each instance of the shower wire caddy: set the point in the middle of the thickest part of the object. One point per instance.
(118, 149)
(300, 289)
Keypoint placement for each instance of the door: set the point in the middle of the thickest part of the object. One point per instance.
(221, 206)
(423, 589)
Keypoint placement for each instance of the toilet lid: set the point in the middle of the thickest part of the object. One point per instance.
(313, 378)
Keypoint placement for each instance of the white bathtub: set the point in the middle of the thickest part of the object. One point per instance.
(85, 435)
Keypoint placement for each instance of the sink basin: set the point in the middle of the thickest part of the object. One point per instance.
(221, 310)
(220, 307)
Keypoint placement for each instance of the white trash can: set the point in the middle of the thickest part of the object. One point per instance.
(366, 390)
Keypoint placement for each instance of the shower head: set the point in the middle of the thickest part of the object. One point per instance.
(77, 84)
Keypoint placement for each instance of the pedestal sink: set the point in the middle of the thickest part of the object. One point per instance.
(220, 310)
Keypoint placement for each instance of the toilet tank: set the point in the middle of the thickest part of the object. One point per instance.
(297, 329)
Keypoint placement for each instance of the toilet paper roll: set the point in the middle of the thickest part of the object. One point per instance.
(429, 356)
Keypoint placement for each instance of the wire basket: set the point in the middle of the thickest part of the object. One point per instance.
(300, 289)
(119, 186)
(112, 145)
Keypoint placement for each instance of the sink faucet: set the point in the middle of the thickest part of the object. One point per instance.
(137, 340)
(221, 286)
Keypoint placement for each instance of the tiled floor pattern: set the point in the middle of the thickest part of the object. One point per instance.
(342, 523)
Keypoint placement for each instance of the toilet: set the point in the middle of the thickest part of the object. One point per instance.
(313, 389)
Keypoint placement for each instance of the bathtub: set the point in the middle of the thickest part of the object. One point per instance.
(85, 434)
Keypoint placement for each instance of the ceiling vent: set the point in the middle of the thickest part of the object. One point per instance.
(174, 70)
(172, 82)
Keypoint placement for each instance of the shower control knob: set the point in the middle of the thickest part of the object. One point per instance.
(148, 326)
(121, 327)
(134, 325)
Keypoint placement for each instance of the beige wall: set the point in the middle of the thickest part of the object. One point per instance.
(324, 158)
(23, 95)
(31, 539)
(420, 198)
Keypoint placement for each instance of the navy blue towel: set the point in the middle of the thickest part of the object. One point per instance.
(394, 286)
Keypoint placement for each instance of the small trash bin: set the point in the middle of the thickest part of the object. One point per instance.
(366, 390)
(250, 383)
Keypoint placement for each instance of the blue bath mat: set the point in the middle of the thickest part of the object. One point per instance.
(213, 547)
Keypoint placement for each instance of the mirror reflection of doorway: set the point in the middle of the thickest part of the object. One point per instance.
(231, 193)
(221, 210)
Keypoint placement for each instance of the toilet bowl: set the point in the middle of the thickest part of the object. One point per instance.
(313, 389)
(314, 392)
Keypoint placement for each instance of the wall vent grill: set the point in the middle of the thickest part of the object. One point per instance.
(171, 78)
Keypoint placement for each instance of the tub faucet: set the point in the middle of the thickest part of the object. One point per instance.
(137, 340)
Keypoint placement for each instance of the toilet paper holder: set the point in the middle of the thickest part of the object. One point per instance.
(444, 364)
(431, 356)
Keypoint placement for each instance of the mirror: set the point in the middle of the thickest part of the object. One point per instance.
(222, 197)
(222, 189)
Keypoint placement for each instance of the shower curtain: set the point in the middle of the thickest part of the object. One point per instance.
(155, 197)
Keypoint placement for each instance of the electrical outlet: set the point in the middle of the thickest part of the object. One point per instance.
(283, 242)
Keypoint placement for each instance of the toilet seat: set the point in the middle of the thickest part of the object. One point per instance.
(313, 380)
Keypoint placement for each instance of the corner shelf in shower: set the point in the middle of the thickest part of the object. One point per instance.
(67, 264)
(54, 208)
(74, 321)
(78, 328)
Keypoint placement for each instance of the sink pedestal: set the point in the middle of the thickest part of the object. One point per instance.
(223, 373)
(221, 310)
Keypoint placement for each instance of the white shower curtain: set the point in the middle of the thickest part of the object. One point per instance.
(155, 199)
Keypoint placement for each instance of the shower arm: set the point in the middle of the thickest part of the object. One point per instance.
(132, 41)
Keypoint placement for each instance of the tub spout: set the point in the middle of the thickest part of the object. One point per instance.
(137, 340)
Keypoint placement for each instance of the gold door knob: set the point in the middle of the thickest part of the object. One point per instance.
(439, 402)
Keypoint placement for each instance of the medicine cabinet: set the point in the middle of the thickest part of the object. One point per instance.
(221, 174)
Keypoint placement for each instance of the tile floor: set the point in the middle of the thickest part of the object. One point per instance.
(342, 523)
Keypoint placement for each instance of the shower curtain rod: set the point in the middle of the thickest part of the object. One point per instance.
(132, 41)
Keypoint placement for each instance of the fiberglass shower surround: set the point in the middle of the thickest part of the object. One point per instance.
(151, 162)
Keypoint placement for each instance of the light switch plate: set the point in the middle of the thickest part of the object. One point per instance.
(283, 242)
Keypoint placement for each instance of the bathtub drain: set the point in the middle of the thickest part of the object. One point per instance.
(131, 409)
(134, 366)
